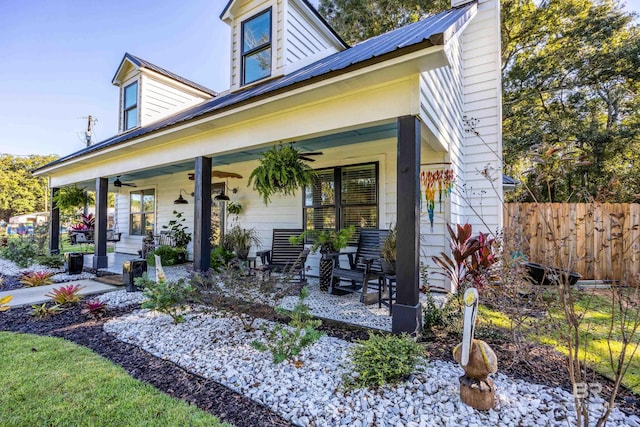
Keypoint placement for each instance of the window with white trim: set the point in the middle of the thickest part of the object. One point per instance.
(342, 196)
(142, 216)
(130, 106)
(256, 47)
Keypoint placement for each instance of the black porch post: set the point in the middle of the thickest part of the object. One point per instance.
(202, 215)
(407, 311)
(54, 224)
(100, 232)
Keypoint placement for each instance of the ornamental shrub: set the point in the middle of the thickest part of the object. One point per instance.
(167, 297)
(22, 251)
(382, 359)
(168, 255)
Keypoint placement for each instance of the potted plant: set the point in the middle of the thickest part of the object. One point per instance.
(388, 260)
(281, 171)
(327, 242)
(239, 240)
(178, 232)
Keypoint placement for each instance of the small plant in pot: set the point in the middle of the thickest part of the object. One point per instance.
(240, 240)
(178, 232)
(388, 260)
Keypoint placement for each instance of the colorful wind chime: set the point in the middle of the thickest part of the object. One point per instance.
(436, 181)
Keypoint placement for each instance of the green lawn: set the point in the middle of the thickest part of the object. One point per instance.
(596, 310)
(66, 246)
(50, 381)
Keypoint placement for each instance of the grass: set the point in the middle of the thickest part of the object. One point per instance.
(596, 310)
(66, 246)
(50, 381)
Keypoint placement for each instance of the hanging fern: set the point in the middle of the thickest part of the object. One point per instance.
(281, 171)
(72, 197)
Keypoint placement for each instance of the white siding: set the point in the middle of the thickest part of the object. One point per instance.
(160, 99)
(482, 101)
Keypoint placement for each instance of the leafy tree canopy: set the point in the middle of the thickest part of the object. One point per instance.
(20, 191)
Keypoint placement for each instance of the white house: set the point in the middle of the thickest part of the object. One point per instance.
(388, 109)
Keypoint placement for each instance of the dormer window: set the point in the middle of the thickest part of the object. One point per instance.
(130, 108)
(256, 47)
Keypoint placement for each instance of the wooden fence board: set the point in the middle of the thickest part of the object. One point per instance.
(599, 241)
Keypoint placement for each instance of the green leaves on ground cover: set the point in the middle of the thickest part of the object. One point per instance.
(50, 381)
(382, 359)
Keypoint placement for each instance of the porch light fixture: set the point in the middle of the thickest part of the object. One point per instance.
(180, 200)
(223, 197)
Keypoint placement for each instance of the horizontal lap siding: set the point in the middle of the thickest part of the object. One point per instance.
(160, 100)
(481, 84)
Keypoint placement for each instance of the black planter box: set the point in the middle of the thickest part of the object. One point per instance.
(74, 262)
(547, 276)
(131, 270)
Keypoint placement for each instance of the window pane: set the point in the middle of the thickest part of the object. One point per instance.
(136, 202)
(257, 65)
(149, 222)
(148, 201)
(320, 218)
(256, 32)
(130, 95)
(359, 184)
(360, 216)
(131, 118)
(136, 224)
(322, 191)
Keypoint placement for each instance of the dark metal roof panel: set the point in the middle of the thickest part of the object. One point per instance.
(430, 30)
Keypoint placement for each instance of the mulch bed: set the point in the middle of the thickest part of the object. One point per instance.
(543, 366)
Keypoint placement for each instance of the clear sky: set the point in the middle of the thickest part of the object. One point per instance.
(57, 59)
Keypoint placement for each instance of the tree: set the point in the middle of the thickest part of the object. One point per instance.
(570, 88)
(20, 191)
(357, 20)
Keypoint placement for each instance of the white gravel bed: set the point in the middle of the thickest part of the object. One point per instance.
(9, 268)
(120, 298)
(218, 348)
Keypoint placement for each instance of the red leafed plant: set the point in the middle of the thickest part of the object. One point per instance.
(471, 257)
(69, 294)
(94, 308)
(36, 278)
(88, 223)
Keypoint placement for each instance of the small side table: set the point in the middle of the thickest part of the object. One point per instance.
(388, 280)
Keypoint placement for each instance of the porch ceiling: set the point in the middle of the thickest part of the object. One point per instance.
(355, 136)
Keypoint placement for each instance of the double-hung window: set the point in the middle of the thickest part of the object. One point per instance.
(342, 196)
(130, 106)
(142, 217)
(256, 47)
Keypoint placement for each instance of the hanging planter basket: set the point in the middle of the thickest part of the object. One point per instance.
(281, 171)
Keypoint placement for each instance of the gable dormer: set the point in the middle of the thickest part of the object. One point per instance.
(271, 38)
(149, 93)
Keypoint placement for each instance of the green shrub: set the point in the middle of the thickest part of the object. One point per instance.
(51, 261)
(220, 257)
(167, 297)
(285, 343)
(382, 359)
(431, 314)
(22, 251)
(168, 255)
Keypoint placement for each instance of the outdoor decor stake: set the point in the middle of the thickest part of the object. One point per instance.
(477, 359)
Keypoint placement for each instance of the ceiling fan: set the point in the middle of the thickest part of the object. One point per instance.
(118, 183)
(304, 156)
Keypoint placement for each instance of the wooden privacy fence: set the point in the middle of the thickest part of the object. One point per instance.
(599, 241)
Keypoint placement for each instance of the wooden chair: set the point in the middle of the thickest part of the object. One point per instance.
(364, 266)
(283, 255)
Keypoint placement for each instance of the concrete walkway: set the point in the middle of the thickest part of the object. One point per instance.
(28, 296)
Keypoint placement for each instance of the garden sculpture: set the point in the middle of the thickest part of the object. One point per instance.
(476, 358)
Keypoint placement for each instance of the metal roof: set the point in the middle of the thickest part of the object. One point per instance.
(141, 63)
(431, 31)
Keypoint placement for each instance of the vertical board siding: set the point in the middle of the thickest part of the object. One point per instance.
(599, 241)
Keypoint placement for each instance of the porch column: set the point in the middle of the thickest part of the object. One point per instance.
(407, 311)
(54, 224)
(202, 215)
(100, 230)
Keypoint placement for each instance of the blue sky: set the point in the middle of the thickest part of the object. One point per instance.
(57, 59)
